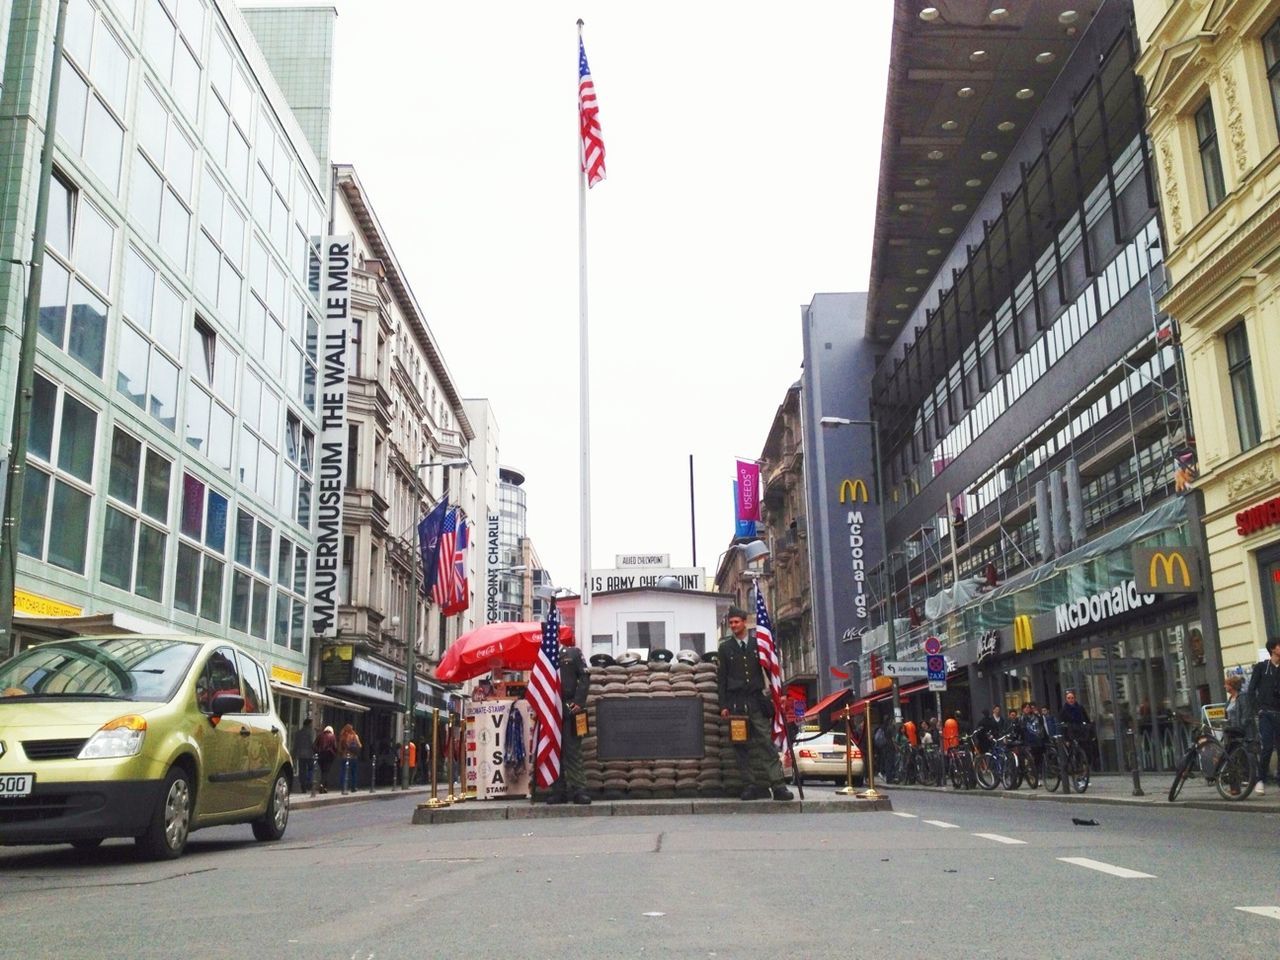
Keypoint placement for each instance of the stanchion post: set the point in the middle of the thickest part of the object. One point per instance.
(434, 800)
(848, 790)
(868, 765)
(315, 774)
(449, 759)
(1131, 747)
(373, 771)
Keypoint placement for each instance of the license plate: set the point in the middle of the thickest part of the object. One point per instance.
(16, 784)
(832, 755)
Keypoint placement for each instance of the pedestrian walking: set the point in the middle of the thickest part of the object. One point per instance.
(304, 752)
(1264, 694)
(349, 745)
(326, 750)
(886, 758)
(575, 681)
(744, 692)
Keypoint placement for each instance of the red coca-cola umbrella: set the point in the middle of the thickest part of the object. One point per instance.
(495, 646)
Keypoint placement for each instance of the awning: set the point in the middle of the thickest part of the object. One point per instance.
(826, 704)
(305, 693)
(87, 625)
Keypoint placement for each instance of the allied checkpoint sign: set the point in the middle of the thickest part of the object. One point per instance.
(335, 306)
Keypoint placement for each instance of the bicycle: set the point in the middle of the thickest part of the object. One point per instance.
(1027, 764)
(998, 766)
(1065, 753)
(1234, 770)
(959, 762)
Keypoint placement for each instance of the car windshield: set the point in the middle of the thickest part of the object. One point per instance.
(119, 668)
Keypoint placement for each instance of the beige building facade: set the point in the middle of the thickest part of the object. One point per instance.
(1212, 74)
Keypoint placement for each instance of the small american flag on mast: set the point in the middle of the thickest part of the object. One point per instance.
(445, 586)
(543, 694)
(772, 667)
(589, 121)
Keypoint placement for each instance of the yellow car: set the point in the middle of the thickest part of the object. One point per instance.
(148, 737)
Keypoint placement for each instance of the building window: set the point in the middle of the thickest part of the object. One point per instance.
(1210, 158)
(211, 389)
(299, 445)
(202, 548)
(272, 179)
(646, 635)
(161, 179)
(58, 482)
(601, 643)
(220, 255)
(1243, 396)
(147, 371)
(1271, 52)
(172, 39)
(251, 578)
(228, 114)
(95, 80)
(289, 625)
(77, 276)
(135, 534)
(271, 302)
(259, 436)
(697, 642)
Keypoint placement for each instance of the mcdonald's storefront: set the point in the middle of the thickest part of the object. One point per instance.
(1125, 631)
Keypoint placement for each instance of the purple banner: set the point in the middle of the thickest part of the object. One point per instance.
(748, 490)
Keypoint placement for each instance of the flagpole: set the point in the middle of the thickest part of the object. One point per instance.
(583, 627)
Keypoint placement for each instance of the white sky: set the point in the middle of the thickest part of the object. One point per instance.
(743, 146)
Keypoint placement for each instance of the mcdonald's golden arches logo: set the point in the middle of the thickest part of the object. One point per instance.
(851, 489)
(1023, 637)
(1174, 569)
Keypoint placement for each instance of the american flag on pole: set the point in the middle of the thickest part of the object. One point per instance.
(772, 667)
(443, 590)
(461, 598)
(589, 122)
(543, 694)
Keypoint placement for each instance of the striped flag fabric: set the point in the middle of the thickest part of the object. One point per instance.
(543, 694)
(461, 598)
(429, 545)
(443, 589)
(589, 122)
(771, 664)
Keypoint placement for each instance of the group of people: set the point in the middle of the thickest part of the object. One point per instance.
(1034, 726)
(310, 748)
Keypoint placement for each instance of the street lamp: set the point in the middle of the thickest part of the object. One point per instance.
(411, 633)
(831, 423)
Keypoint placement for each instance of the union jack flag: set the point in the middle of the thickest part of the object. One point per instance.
(543, 694)
(772, 667)
(589, 122)
(443, 589)
(462, 592)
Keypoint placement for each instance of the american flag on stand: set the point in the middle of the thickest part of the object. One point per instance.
(461, 598)
(443, 590)
(589, 122)
(543, 694)
(772, 667)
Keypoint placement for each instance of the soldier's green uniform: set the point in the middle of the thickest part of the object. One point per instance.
(743, 691)
(575, 681)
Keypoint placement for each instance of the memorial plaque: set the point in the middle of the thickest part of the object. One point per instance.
(643, 729)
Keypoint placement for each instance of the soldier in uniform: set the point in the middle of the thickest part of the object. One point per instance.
(575, 680)
(743, 692)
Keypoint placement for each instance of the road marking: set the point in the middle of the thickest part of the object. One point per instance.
(998, 838)
(943, 824)
(1101, 867)
(899, 813)
(1272, 912)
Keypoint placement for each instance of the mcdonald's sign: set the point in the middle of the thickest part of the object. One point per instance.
(851, 489)
(1023, 636)
(1167, 569)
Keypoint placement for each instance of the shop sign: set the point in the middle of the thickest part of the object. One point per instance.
(336, 665)
(690, 578)
(487, 725)
(494, 557)
(286, 675)
(988, 645)
(1259, 517)
(1167, 569)
(335, 306)
(34, 605)
(623, 560)
(1087, 611)
(857, 560)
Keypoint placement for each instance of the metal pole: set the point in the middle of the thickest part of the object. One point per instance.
(693, 522)
(435, 800)
(871, 793)
(27, 353)
(583, 627)
(884, 560)
(848, 789)
(411, 664)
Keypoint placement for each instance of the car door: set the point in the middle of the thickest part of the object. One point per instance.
(224, 740)
(263, 741)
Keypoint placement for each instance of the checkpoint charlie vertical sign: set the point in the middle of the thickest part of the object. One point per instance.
(335, 304)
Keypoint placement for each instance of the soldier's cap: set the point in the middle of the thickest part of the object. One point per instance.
(601, 660)
(660, 656)
(737, 612)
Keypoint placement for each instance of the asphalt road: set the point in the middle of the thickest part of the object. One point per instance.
(945, 876)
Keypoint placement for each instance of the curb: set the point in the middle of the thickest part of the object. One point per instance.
(471, 813)
(339, 799)
(1150, 800)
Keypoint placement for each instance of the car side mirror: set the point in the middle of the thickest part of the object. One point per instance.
(227, 703)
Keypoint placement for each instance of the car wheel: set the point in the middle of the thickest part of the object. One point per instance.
(91, 843)
(272, 823)
(170, 826)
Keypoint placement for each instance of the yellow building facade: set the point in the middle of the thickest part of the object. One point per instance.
(1212, 75)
